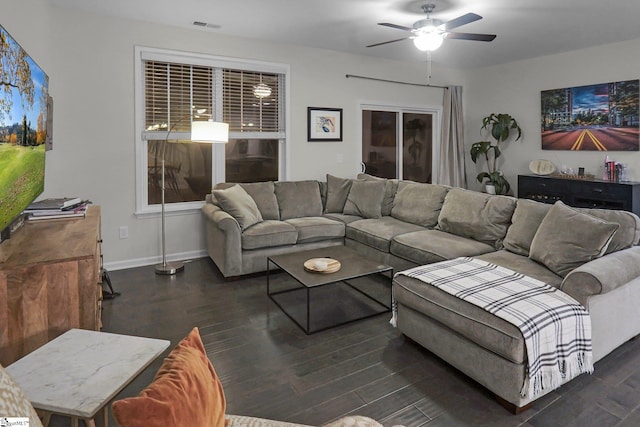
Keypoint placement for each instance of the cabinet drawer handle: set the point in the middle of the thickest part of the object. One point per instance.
(597, 190)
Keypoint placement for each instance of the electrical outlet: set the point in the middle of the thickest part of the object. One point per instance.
(124, 232)
(339, 158)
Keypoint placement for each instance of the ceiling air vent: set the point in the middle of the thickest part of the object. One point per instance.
(205, 24)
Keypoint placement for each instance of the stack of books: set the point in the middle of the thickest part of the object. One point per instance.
(67, 207)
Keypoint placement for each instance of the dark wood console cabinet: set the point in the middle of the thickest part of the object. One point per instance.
(581, 193)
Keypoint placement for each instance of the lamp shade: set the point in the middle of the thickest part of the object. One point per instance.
(212, 132)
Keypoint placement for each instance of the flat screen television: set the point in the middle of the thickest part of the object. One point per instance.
(24, 92)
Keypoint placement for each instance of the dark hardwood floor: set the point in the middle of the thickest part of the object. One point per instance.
(270, 368)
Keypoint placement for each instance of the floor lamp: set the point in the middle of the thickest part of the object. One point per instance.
(201, 131)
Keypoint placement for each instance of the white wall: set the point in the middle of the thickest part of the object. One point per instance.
(90, 63)
(515, 89)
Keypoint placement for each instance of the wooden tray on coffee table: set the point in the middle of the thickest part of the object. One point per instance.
(333, 265)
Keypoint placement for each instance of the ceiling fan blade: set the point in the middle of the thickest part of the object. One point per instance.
(397, 27)
(471, 36)
(390, 41)
(460, 20)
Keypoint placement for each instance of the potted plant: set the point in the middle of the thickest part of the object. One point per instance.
(501, 127)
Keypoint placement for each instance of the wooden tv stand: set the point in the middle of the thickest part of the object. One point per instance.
(50, 274)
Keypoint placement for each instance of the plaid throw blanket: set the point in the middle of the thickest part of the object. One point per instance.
(556, 328)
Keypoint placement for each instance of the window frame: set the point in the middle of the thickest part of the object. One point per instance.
(142, 53)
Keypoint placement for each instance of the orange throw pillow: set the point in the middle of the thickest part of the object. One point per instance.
(185, 392)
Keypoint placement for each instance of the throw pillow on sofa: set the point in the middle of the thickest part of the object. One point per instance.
(185, 392)
(337, 193)
(568, 238)
(239, 204)
(477, 216)
(263, 193)
(390, 189)
(524, 224)
(298, 199)
(419, 203)
(365, 199)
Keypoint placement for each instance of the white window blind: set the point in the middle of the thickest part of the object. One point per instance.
(251, 101)
(174, 93)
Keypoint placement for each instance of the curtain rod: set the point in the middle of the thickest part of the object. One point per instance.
(394, 81)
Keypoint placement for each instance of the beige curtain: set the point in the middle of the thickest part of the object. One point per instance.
(451, 170)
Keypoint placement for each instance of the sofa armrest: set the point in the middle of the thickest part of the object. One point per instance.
(602, 275)
(222, 219)
(224, 240)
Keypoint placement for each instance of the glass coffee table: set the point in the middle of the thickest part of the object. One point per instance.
(316, 301)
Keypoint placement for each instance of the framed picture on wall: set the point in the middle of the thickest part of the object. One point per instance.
(598, 117)
(324, 124)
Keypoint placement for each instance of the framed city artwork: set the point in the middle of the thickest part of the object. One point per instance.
(599, 117)
(324, 124)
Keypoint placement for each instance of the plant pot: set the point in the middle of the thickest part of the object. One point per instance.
(490, 189)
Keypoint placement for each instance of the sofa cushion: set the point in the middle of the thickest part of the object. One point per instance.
(377, 233)
(185, 392)
(629, 232)
(337, 193)
(297, 199)
(419, 203)
(13, 402)
(264, 195)
(429, 246)
(268, 234)
(239, 204)
(525, 222)
(390, 189)
(568, 238)
(522, 264)
(478, 216)
(474, 323)
(316, 228)
(346, 219)
(365, 199)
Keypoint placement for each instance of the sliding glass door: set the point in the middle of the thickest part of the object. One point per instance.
(398, 143)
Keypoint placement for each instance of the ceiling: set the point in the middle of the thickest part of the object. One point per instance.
(524, 28)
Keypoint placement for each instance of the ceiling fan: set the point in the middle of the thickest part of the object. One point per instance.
(428, 34)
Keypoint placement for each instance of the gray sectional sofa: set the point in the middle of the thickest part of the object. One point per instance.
(590, 254)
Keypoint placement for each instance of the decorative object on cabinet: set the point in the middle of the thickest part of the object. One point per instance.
(542, 167)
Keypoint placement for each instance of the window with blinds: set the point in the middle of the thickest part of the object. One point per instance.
(175, 93)
(251, 101)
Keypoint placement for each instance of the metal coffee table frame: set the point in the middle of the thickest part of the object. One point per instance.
(353, 266)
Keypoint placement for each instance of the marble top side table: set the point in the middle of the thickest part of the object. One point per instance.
(78, 373)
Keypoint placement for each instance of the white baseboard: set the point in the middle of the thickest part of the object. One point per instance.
(142, 262)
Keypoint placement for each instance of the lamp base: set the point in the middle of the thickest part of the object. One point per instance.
(169, 268)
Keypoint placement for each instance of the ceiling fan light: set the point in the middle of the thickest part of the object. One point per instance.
(428, 42)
